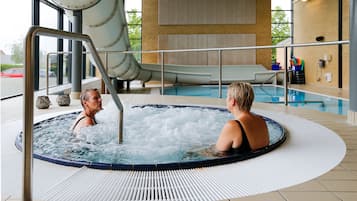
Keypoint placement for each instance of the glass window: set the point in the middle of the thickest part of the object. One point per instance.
(133, 17)
(281, 24)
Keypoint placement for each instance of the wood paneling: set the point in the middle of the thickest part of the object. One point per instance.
(176, 12)
(320, 18)
(151, 30)
(193, 41)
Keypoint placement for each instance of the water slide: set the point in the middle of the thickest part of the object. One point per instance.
(104, 21)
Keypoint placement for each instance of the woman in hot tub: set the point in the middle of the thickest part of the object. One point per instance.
(91, 102)
(247, 131)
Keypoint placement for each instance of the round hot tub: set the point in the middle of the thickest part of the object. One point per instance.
(156, 137)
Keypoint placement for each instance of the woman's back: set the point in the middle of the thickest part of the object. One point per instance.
(247, 130)
(256, 130)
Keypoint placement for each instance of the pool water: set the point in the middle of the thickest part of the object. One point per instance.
(270, 94)
(153, 134)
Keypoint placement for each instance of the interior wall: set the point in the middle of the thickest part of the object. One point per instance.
(203, 41)
(320, 18)
(174, 12)
(152, 30)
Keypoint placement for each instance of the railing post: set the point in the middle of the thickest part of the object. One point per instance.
(121, 126)
(286, 90)
(28, 116)
(27, 138)
(162, 72)
(47, 66)
(103, 87)
(220, 73)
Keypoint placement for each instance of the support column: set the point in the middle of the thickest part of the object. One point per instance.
(127, 85)
(352, 113)
(69, 56)
(84, 66)
(76, 57)
(59, 72)
(36, 22)
(340, 29)
(118, 84)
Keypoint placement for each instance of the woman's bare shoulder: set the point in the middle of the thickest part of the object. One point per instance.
(231, 124)
(87, 121)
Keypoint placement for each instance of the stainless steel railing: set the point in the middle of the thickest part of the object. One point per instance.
(220, 51)
(220, 61)
(29, 95)
(48, 62)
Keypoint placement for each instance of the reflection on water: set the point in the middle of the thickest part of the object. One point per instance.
(270, 94)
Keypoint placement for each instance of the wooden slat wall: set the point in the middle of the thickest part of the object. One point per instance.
(193, 41)
(176, 12)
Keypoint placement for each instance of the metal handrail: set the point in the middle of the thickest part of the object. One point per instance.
(29, 94)
(241, 48)
(48, 59)
(220, 50)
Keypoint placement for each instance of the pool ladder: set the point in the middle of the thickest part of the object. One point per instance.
(29, 94)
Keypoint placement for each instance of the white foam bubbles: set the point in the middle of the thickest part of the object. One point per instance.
(152, 134)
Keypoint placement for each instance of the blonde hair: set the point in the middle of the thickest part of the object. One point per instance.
(243, 94)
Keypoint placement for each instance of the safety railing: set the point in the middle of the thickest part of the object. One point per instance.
(220, 51)
(29, 94)
(48, 63)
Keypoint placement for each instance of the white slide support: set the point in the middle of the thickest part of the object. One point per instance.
(105, 22)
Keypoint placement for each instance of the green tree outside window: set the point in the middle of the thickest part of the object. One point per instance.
(280, 28)
(134, 31)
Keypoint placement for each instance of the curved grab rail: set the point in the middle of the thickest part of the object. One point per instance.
(29, 94)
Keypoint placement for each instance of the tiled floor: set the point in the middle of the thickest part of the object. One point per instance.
(338, 184)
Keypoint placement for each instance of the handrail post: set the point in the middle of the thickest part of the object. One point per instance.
(162, 72)
(120, 130)
(286, 90)
(104, 88)
(113, 92)
(47, 65)
(28, 117)
(29, 95)
(220, 73)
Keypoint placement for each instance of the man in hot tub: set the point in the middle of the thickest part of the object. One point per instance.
(92, 103)
(247, 131)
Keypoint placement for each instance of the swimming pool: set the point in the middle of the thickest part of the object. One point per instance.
(270, 94)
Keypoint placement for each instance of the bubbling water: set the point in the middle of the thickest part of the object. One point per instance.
(153, 134)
